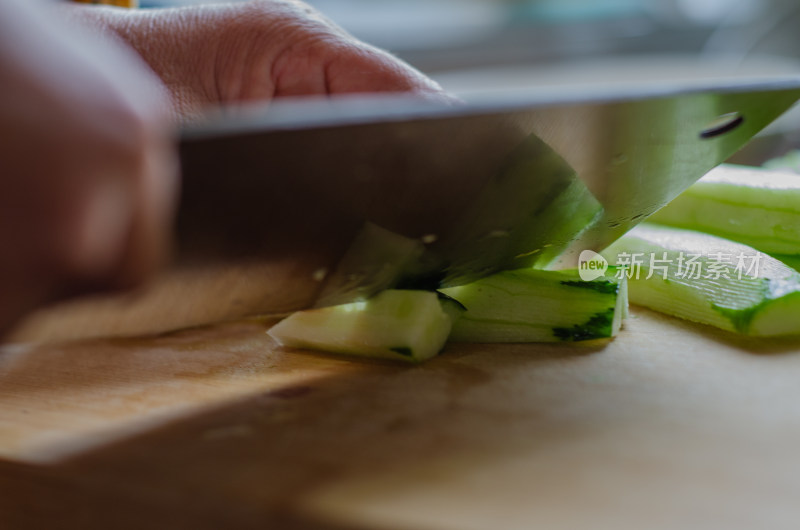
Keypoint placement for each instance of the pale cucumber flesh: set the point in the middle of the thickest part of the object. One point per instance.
(394, 324)
(759, 297)
(530, 305)
(788, 162)
(757, 207)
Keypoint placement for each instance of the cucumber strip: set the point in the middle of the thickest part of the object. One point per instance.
(792, 261)
(754, 206)
(394, 324)
(707, 279)
(530, 305)
(376, 260)
(788, 162)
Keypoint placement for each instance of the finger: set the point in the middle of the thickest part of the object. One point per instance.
(149, 236)
(362, 68)
(300, 72)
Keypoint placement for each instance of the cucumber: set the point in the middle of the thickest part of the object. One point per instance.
(394, 324)
(375, 260)
(792, 261)
(788, 162)
(754, 206)
(531, 305)
(707, 279)
(527, 216)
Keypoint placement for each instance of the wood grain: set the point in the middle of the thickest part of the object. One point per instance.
(668, 426)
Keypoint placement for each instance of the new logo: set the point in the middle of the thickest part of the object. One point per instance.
(591, 265)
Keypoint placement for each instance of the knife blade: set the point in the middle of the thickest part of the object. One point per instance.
(308, 203)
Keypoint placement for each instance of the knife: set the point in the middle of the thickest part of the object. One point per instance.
(306, 203)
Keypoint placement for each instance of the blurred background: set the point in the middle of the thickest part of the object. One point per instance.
(477, 46)
(442, 35)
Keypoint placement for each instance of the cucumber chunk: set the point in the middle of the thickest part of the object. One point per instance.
(530, 305)
(394, 324)
(754, 206)
(707, 279)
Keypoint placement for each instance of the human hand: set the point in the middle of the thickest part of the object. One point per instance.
(87, 178)
(255, 51)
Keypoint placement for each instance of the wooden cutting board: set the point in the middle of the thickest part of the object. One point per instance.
(669, 426)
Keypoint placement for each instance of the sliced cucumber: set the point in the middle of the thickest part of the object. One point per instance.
(530, 305)
(708, 279)
(527, 216)
(754, 206)
(788, 162)
(792, 261)
(394, 324)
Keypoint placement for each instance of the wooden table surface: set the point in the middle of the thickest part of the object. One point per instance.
(669, 426)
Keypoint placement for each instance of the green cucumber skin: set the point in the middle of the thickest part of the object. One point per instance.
(529, 305)
(756, 207)
(395, 324)
(597, 327)
(746, 306)
(605, 287)
(405, 351)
